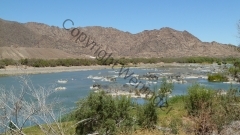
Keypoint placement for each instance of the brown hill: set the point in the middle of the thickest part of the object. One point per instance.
(32, 52)
(19, 40)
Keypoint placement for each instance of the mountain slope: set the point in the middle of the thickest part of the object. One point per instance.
(165, 42)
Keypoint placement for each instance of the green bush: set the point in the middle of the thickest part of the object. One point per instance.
(24, 61)
(2, 65)
(175, 123)
(161, 95)
(199, 103)
(9, 61)
(67, 117)
(123, 61)
(217, 77)
(147, 115)
(210, 109)
(224, 62)
(198, 98)
(227, 108)
(104, 114)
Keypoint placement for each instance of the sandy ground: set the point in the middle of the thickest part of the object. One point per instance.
(13, 70)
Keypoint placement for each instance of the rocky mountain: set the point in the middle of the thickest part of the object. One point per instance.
(37, 40)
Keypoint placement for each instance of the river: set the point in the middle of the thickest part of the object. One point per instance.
(78, 83)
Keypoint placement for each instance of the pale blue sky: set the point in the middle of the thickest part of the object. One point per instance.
(209, 20)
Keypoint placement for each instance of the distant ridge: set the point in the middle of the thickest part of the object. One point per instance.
(165, 42)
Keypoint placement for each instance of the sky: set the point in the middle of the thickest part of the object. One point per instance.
(208, 20)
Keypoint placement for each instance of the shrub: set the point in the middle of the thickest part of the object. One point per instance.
(160, 96)
(199, 104)
(175, 123)
(9, 61)
(217, 77)
(24, 61)
(104, 114)
(165, 89)
(2, 65)
(198, 97)
(67, 117)
(227, 108)
(147, 115)
(234, 71)
(210, 110)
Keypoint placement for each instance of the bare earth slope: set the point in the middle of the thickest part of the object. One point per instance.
(36, 40)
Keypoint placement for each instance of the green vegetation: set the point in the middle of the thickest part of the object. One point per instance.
(147, 115)
(35, 130)
(211, 110)
(105, 114)
(217, 77)
(164, 91)
(2, 65)
(57, 62)
(235, 70)
(201, 111)
(122, 61)
(197, 98)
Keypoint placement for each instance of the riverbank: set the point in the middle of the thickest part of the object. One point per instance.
(14, 70)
